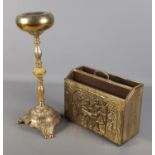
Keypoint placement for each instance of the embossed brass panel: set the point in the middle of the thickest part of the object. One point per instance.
(104, 103)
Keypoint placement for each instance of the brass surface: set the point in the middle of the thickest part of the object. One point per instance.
(35, 22)
(42, 117)
(108, 106)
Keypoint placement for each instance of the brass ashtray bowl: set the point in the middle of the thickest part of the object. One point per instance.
(35, 22)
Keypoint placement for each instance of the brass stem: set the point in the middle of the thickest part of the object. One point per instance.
(39, 71)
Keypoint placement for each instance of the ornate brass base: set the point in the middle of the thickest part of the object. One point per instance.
(43, 118)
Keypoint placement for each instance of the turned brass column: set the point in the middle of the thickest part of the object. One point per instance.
(39, 71)
(42, 116)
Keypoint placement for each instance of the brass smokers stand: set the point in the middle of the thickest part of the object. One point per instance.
(42, 117)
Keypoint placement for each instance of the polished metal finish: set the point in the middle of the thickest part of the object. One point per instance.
(35, 22)
(104, 103)
(42, 117)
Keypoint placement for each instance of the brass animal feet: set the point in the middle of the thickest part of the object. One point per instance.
(43, 118)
